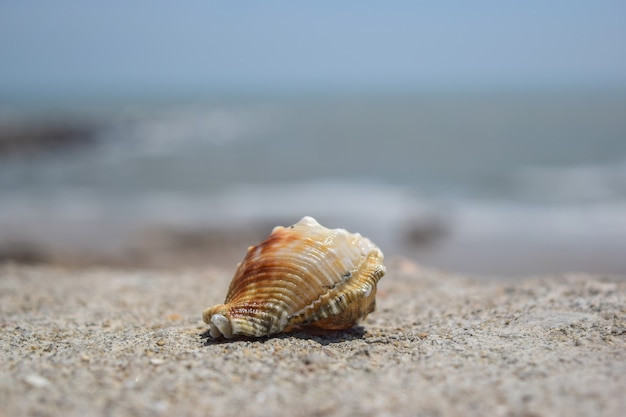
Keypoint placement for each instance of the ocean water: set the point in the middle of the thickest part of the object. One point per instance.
(486, 183)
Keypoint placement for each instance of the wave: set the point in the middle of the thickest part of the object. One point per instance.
(579, 183)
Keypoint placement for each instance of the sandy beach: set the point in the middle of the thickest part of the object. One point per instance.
(124, 342)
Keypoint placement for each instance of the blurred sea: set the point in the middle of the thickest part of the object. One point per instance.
(509, 184)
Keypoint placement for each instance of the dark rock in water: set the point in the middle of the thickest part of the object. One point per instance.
(23, 253)
(27, 139)
(426, 232)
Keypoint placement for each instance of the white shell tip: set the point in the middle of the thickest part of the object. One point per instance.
(308, 221)
(220, 325)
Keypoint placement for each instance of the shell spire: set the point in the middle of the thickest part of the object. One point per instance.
(301, 275)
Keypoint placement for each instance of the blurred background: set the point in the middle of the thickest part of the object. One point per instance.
(482, 137)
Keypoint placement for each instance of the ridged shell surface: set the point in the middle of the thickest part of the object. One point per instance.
(300, 275)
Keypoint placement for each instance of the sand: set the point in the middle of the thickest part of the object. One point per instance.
(102, 341)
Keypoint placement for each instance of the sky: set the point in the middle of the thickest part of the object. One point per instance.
(151, 46)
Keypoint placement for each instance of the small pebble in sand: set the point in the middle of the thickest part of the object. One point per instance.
(36, 381)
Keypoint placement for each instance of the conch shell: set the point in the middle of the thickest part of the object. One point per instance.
(301, 275)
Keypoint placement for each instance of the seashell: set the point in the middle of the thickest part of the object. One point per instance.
(301, 275)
